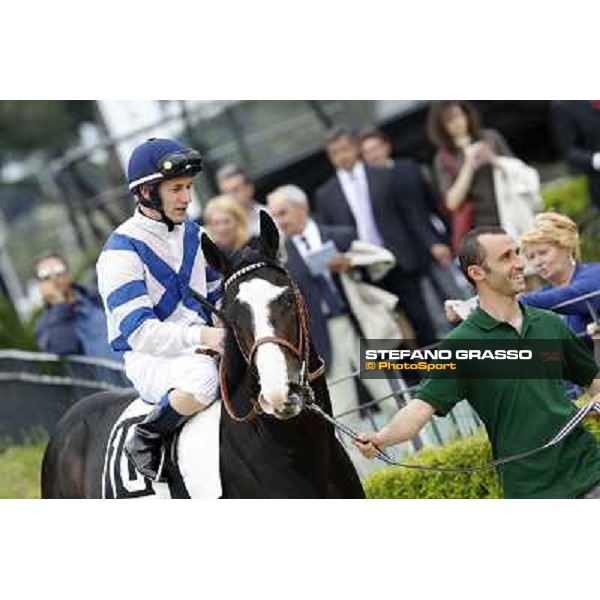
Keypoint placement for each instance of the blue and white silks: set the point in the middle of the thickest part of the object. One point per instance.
(145, 273)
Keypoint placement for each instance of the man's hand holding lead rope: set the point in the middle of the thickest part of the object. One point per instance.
(404, 426)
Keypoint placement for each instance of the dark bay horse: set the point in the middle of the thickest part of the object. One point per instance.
(271, 446)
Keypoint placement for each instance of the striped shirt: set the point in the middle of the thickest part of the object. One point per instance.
(145, 274)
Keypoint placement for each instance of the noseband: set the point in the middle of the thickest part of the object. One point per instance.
(301, 351)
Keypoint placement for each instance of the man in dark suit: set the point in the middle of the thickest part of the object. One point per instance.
(414, 187)
(369, 200)
(334, 330)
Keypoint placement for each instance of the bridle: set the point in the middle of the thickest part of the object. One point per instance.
(301, 351)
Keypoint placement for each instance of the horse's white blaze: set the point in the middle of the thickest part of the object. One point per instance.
(270, 360)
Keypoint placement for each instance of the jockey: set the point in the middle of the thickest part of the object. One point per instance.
(145, 272)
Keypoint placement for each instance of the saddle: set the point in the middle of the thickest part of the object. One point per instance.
(191, 459)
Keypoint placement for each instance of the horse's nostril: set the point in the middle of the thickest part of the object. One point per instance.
(295, 399)
(296, 393)
(288, 411)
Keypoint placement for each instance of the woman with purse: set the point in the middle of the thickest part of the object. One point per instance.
(464, 165)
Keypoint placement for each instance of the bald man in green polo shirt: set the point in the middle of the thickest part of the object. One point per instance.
(518, 414)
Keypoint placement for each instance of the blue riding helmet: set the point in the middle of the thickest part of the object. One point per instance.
(157, 160)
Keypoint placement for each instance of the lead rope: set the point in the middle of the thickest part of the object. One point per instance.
(575, 420)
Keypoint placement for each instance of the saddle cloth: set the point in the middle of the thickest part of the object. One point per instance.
(192, 467)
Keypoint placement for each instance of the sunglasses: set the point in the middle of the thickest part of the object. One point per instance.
(181, 163)
(44, 274)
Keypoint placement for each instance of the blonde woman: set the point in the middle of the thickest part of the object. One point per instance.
(552, 248)
(227, 223)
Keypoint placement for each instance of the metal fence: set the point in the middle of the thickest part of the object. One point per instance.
(461, 422)
(36, 389)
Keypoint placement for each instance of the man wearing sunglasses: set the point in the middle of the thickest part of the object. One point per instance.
(146, 271)
(72, 321)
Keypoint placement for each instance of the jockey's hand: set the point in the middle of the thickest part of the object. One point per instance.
(366, 444)
(213, 338)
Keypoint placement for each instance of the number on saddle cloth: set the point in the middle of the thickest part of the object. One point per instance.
(120, 478)
(192, 458)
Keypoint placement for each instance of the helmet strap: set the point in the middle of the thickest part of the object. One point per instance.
(170, 225)
(155, 203)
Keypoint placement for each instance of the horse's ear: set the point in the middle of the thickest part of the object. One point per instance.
(269, 235)
(214, 256)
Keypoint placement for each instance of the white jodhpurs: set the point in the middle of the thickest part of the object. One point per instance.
(153, 376)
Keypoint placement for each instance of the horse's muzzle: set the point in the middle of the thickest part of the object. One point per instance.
(286, 407)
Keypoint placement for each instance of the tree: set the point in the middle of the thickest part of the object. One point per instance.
(45, 126)
(13, 333)
(48, 129)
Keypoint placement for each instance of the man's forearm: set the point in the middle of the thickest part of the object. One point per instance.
(405, 424)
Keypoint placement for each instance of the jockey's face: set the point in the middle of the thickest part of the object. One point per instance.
(502, 271)
(176, 196)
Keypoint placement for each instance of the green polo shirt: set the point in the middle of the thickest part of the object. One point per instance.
(522, 414)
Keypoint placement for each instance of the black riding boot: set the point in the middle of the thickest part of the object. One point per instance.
(146, 447)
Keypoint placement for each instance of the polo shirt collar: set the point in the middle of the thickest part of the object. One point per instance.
(486, 322)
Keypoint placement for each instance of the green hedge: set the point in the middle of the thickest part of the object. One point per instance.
(569, 196)
(594, 426)
(399, 482)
